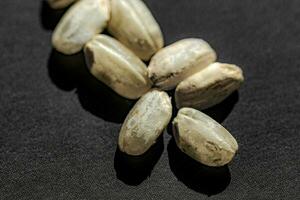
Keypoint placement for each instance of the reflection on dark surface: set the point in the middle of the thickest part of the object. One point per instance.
(133, 170)
(201, 178)
(221, 111)
(70, 72)
(49, 16)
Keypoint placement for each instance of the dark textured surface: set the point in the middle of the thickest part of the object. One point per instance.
(59, 126)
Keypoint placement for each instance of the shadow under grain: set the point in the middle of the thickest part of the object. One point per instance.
(200, 178)
(70, 72)
(133, 170)
(49, 17)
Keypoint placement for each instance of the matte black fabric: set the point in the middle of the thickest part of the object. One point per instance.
(59, 126)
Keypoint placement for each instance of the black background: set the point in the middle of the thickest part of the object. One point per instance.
(59, 126)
